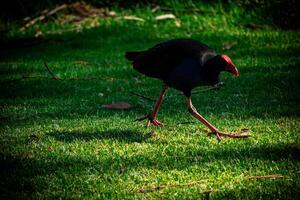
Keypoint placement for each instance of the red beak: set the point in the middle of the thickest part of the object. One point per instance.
(230, 66)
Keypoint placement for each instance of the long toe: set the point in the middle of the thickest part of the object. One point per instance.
(241, 134)
(155, 122)
(150, 120)
(143, 118)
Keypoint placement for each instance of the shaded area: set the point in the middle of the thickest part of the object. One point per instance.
(283, 13)
(18, 173)
(281, 80)
(21, 42)
(269, 189)
(114, 134)
(51, 99)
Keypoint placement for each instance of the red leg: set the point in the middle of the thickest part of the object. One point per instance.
(211, 127)
(152, 116)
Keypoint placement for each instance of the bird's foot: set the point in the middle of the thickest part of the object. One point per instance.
(150, 120)
(244, 133)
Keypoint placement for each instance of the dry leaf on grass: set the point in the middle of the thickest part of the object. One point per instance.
(166, 16)
(117, 106)
(133, 18)
(177, 23)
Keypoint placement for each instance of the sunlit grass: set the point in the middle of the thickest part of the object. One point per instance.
(58, 142)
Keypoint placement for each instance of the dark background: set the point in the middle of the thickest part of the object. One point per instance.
(284, 14)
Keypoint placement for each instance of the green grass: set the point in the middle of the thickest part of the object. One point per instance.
(58, 142)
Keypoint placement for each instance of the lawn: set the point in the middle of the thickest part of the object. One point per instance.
(58, 142)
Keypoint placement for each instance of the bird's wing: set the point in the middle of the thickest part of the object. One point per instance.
(156, 62)
(163, 58)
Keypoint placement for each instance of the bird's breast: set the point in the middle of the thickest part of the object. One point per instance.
(186, 75)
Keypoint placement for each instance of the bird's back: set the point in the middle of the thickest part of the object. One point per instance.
(160, 60)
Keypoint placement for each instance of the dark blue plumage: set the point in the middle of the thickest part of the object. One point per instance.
(181, 63)
(185, 76)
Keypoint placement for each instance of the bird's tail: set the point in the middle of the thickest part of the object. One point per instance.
(132, 55)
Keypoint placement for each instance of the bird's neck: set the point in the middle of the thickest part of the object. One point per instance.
(207, 56)
(211, 74)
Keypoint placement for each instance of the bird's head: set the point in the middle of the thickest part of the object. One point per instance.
(221, 63)
(227, 64)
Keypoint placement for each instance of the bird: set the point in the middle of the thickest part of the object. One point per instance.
(183, 64)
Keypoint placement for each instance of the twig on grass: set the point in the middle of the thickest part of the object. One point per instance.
(75, 78)
(142, 96)
(24, 76)
(54, 77)
(188, 11)
(215, 87)
(50, 72)
(205, 90)
(207, 192)
(265, 176)
(27, 76)
(160, 187)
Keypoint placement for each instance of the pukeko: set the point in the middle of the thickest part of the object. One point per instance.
(182, 64)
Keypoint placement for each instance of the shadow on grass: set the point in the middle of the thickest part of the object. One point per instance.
(268, 189)
(21, 176)
(95, 45)
(120, 135)
(81, 98)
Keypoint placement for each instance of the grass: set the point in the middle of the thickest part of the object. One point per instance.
(58, 142)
